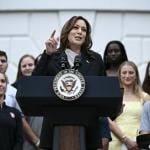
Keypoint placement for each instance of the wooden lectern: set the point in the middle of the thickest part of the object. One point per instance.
(102, 97)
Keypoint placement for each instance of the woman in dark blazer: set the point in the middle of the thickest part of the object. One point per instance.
(75, 40)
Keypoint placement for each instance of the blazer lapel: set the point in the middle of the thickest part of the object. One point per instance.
(85, 65)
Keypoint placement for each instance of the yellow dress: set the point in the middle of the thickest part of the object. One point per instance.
(129, 122)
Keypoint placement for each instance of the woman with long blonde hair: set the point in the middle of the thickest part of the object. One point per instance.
(126, 125)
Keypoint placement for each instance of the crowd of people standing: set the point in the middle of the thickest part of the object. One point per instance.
(32, 133)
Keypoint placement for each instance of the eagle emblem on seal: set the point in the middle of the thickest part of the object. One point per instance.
(68, 85)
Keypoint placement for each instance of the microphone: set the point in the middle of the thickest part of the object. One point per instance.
(63, 61)
(77, 62)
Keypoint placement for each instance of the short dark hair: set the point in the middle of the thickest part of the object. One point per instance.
(3, 53)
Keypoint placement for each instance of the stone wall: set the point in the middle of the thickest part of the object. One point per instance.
(25, 26)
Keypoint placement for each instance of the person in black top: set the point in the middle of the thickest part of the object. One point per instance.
(11, 101)
(11, 134)
(114, 56)
(75, 40)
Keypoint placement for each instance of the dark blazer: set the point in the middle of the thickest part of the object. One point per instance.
(92, 64)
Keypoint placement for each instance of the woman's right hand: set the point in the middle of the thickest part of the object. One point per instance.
(131, 145)
(51, 44)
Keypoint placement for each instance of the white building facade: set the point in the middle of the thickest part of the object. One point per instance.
(25, 25)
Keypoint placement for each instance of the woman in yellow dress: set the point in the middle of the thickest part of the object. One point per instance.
(126, 125)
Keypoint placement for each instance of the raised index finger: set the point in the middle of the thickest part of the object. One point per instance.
(53, 33)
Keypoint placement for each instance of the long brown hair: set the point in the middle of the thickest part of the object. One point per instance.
(19, 73)
(68, 27)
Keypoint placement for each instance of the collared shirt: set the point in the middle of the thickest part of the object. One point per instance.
(71, 56)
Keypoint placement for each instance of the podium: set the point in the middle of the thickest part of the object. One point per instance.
(102, 97)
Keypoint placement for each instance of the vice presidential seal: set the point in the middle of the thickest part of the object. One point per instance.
(69, 84)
